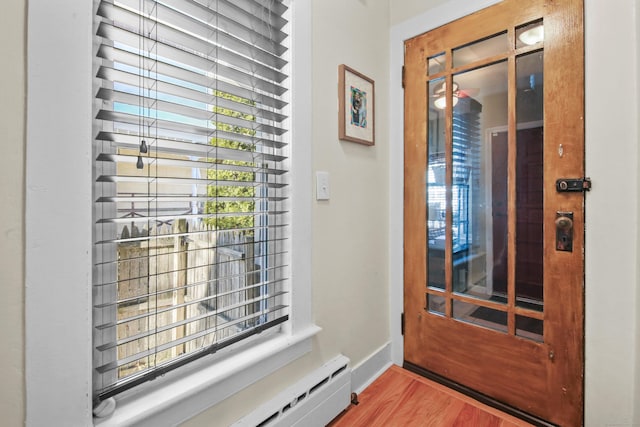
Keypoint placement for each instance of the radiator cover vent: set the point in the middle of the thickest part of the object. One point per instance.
(314, 401)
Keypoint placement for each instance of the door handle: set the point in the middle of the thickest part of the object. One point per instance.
(564, 231)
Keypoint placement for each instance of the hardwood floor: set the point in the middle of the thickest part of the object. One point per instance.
(402, 398)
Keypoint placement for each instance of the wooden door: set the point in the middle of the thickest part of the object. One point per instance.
(476, 214)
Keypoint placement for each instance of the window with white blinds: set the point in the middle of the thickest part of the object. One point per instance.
(190, 192)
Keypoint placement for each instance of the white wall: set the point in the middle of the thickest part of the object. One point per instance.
(12, 134)
(350, 230)
(403, 10)
(612, 212)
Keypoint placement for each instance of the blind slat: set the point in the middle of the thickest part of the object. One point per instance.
(165, 218)
(198, 56)
(149, 332)
(188, 76)
(159, 371)
(213, 166)
(190, 60)
(192, 113)
(194, 146)
(160, 199)
(199, 94)
(183, 181)
(145, 238)
(129, 300)
(246, 303)
(206, 30)
(265, 12)
(234, 20)
(168, 128)
(193, 284)
(111, 366)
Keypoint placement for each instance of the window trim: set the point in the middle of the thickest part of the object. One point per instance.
(179, 396)
(59, 55)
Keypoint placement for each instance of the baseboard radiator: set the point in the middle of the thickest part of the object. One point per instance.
(314, 401)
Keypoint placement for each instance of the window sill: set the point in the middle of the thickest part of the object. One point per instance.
(179, 395)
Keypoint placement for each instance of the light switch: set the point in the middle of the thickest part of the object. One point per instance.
(323, 190)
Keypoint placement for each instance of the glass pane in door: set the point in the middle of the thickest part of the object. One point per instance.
(479, 187)
(481, 316)
(435, 188)
(481, 49)
(529, 328)
(436, 64)
(530, 34)
(529, 181)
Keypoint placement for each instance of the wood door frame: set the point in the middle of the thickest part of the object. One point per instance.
(556, 380)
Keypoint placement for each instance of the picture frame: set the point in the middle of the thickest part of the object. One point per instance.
(356, 106)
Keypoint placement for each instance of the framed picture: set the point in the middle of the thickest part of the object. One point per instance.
(356, 106)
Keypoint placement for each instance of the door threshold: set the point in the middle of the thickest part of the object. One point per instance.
(531, 419)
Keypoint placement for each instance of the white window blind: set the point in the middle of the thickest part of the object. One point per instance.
(190, 167)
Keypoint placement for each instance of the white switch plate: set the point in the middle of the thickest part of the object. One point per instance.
(323, 189)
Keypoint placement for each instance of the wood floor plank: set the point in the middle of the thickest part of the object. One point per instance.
(399, 398)
(381, 399)
(472, 416)
(439, 411)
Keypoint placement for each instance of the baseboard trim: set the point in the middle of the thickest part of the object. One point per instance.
(371, 368)
(531, 419)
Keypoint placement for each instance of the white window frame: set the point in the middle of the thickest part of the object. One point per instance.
(58, 239)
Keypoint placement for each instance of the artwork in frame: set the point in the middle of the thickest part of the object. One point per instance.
(356, 106)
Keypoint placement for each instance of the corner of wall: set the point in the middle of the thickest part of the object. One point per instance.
(371, 368)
